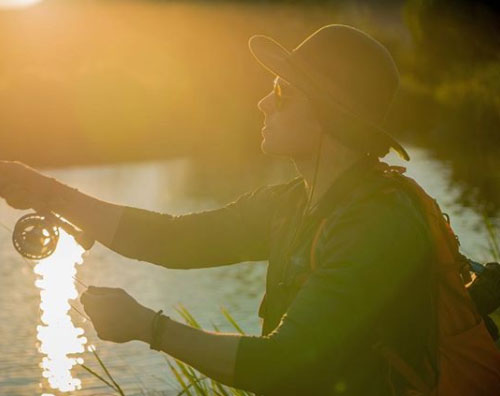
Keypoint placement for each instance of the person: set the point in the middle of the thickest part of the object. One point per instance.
(348, 249)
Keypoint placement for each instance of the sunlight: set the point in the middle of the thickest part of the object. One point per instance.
(17, 3)
(60, 341)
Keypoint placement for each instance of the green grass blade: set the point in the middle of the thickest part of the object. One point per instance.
(231, 320)
(216, 385)
(215, 327)
(189, 378)
(492, 238)
(117, 387)
(193, 379)
(180, 380)
(192, 385)
(98, 376)
(187, 316)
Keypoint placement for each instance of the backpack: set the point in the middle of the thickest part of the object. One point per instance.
(468, 361)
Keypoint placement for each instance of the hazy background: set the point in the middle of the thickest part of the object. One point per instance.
(86, 82)
(153, 104)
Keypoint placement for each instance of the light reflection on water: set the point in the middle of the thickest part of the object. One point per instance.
(60, 341)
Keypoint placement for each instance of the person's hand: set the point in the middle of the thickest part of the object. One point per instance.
(22, 186)
(117, 316)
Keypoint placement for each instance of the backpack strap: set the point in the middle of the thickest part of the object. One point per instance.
(381, 167)
(387, 353)
(403, 368)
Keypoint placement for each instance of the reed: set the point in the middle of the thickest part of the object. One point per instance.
(190, 381)
(193, 383)
(493, 238)
(110, 382)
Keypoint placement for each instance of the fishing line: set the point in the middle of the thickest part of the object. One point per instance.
(28, 262)
(80, 282)
(35, 237)
(81, 313)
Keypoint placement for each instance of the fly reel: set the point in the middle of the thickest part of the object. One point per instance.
(36, 235)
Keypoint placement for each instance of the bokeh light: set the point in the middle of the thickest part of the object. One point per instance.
(17, 3)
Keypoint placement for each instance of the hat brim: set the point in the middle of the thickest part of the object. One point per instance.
(277, 59)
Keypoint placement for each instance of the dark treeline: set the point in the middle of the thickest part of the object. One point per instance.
(455, 67)
(94, 82)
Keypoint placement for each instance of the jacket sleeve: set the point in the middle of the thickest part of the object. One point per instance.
(236, 232)
(369, 256)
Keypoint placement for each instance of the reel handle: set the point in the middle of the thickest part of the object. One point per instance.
(82, 238)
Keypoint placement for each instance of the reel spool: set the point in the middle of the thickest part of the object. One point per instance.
(35, 236)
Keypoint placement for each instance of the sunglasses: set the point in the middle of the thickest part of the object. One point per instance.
(280, 98)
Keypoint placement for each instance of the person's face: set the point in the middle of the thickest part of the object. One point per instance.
(290, 125)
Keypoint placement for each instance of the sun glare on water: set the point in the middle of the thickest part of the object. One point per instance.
(60, 341)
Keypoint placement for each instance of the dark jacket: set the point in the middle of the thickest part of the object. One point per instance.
(372, 281)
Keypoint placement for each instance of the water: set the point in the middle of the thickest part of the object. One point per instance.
(42, 339)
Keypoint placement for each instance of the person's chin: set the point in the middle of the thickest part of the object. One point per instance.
(268, 148)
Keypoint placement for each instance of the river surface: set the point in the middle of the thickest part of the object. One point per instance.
(43, 340)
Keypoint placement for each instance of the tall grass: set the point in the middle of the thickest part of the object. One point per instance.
(493, 239)
(494, 250)
(110, 382)
(190, 381)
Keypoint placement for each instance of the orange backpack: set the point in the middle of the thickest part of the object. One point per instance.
(468, 360)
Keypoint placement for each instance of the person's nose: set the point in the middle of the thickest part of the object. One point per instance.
(266, 104)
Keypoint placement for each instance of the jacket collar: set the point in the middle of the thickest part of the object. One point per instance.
(344, 185)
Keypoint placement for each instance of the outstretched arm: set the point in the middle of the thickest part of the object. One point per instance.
(24, 188)
(237, 232)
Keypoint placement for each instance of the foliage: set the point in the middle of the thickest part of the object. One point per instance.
(190, 380)
(110, 381)
(493, 239)
(451, 84)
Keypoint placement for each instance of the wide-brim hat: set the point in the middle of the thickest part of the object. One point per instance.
(350, 77)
